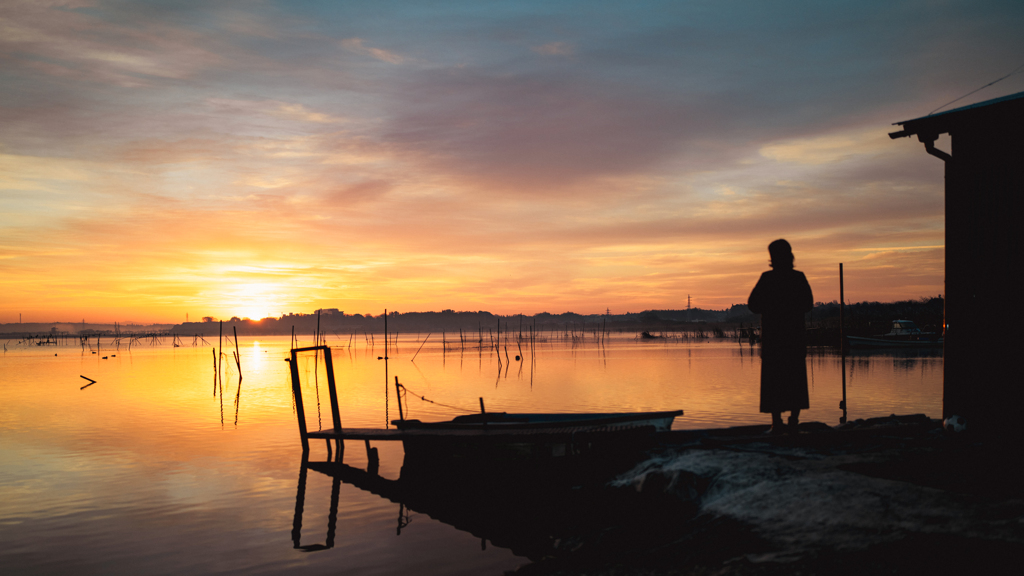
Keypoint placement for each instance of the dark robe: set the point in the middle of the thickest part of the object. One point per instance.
(782, 297)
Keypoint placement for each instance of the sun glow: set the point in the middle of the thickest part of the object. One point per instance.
(256, 301)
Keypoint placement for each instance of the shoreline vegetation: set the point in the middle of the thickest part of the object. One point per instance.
(861, 319)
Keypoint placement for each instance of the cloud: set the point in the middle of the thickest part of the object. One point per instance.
(531, 133)
(356, 45)
(828, 148)
(160, 153)
(66, 41)
(272, 108)
(554, 49)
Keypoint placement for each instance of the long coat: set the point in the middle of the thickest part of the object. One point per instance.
(782, 297)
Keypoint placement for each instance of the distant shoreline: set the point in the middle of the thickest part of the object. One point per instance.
(862, 318)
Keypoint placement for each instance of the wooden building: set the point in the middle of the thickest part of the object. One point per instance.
(984, 197)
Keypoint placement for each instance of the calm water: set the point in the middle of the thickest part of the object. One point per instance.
(157, 468)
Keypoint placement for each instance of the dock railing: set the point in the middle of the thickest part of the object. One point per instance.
(297, 391)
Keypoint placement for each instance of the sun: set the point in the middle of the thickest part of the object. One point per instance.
(255, 312)
(256, 301)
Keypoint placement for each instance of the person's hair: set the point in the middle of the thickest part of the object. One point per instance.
(781, 253)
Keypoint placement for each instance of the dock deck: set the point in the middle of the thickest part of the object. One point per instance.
(509, 433)
(495, 433)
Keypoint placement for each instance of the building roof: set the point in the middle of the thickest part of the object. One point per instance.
(935, 124)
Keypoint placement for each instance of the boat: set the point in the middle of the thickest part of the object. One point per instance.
(502, 421)
(904, 334)
(537, 437)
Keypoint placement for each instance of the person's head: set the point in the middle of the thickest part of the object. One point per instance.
(781, 253)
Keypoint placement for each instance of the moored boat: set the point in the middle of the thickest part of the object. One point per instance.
(904, 334)
(537, 436)
(499, 421)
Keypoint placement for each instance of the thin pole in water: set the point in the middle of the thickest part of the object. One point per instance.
(842, 341)
(238, 357)
(398, 395)
(220, 349)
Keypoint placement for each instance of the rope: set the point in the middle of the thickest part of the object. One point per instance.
(405, 390)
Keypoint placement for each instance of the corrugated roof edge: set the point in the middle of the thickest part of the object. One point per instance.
(968, 107)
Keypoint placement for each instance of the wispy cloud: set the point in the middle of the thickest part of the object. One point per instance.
(356, 45)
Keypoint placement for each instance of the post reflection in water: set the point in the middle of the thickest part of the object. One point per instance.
(332, 517)
(535, 509)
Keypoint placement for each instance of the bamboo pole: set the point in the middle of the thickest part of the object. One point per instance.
(238, 357)
(420, 348)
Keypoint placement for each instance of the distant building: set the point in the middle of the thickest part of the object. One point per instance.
(984, 181)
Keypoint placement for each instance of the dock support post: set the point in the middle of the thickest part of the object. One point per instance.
(372, 459)
(300, 413)
(335, 415)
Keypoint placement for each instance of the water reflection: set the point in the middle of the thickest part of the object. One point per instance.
(537, 511)
(146, 457)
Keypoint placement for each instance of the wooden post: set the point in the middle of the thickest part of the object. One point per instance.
(214, 350)
(336, 416)
(238, 357)
(299, 411)
(418, 349)
(401, 415)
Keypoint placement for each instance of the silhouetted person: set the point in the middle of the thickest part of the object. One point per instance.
(782, 297)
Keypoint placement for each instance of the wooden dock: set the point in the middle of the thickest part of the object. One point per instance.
(514, 434)
(495, 434)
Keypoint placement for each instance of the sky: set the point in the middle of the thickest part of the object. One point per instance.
(170, 160)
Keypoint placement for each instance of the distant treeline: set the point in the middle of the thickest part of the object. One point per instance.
(872, 318)
(468, 322)
(861, 319)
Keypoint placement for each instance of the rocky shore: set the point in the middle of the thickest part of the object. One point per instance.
(896, 495)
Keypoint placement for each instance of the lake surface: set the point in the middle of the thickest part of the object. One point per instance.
(160, 468)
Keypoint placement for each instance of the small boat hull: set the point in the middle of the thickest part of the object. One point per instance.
(497, 437)
(497, 421)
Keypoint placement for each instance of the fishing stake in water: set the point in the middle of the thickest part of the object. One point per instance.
(91, 382)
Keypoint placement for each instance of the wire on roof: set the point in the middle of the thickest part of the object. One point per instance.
(1019, 68)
